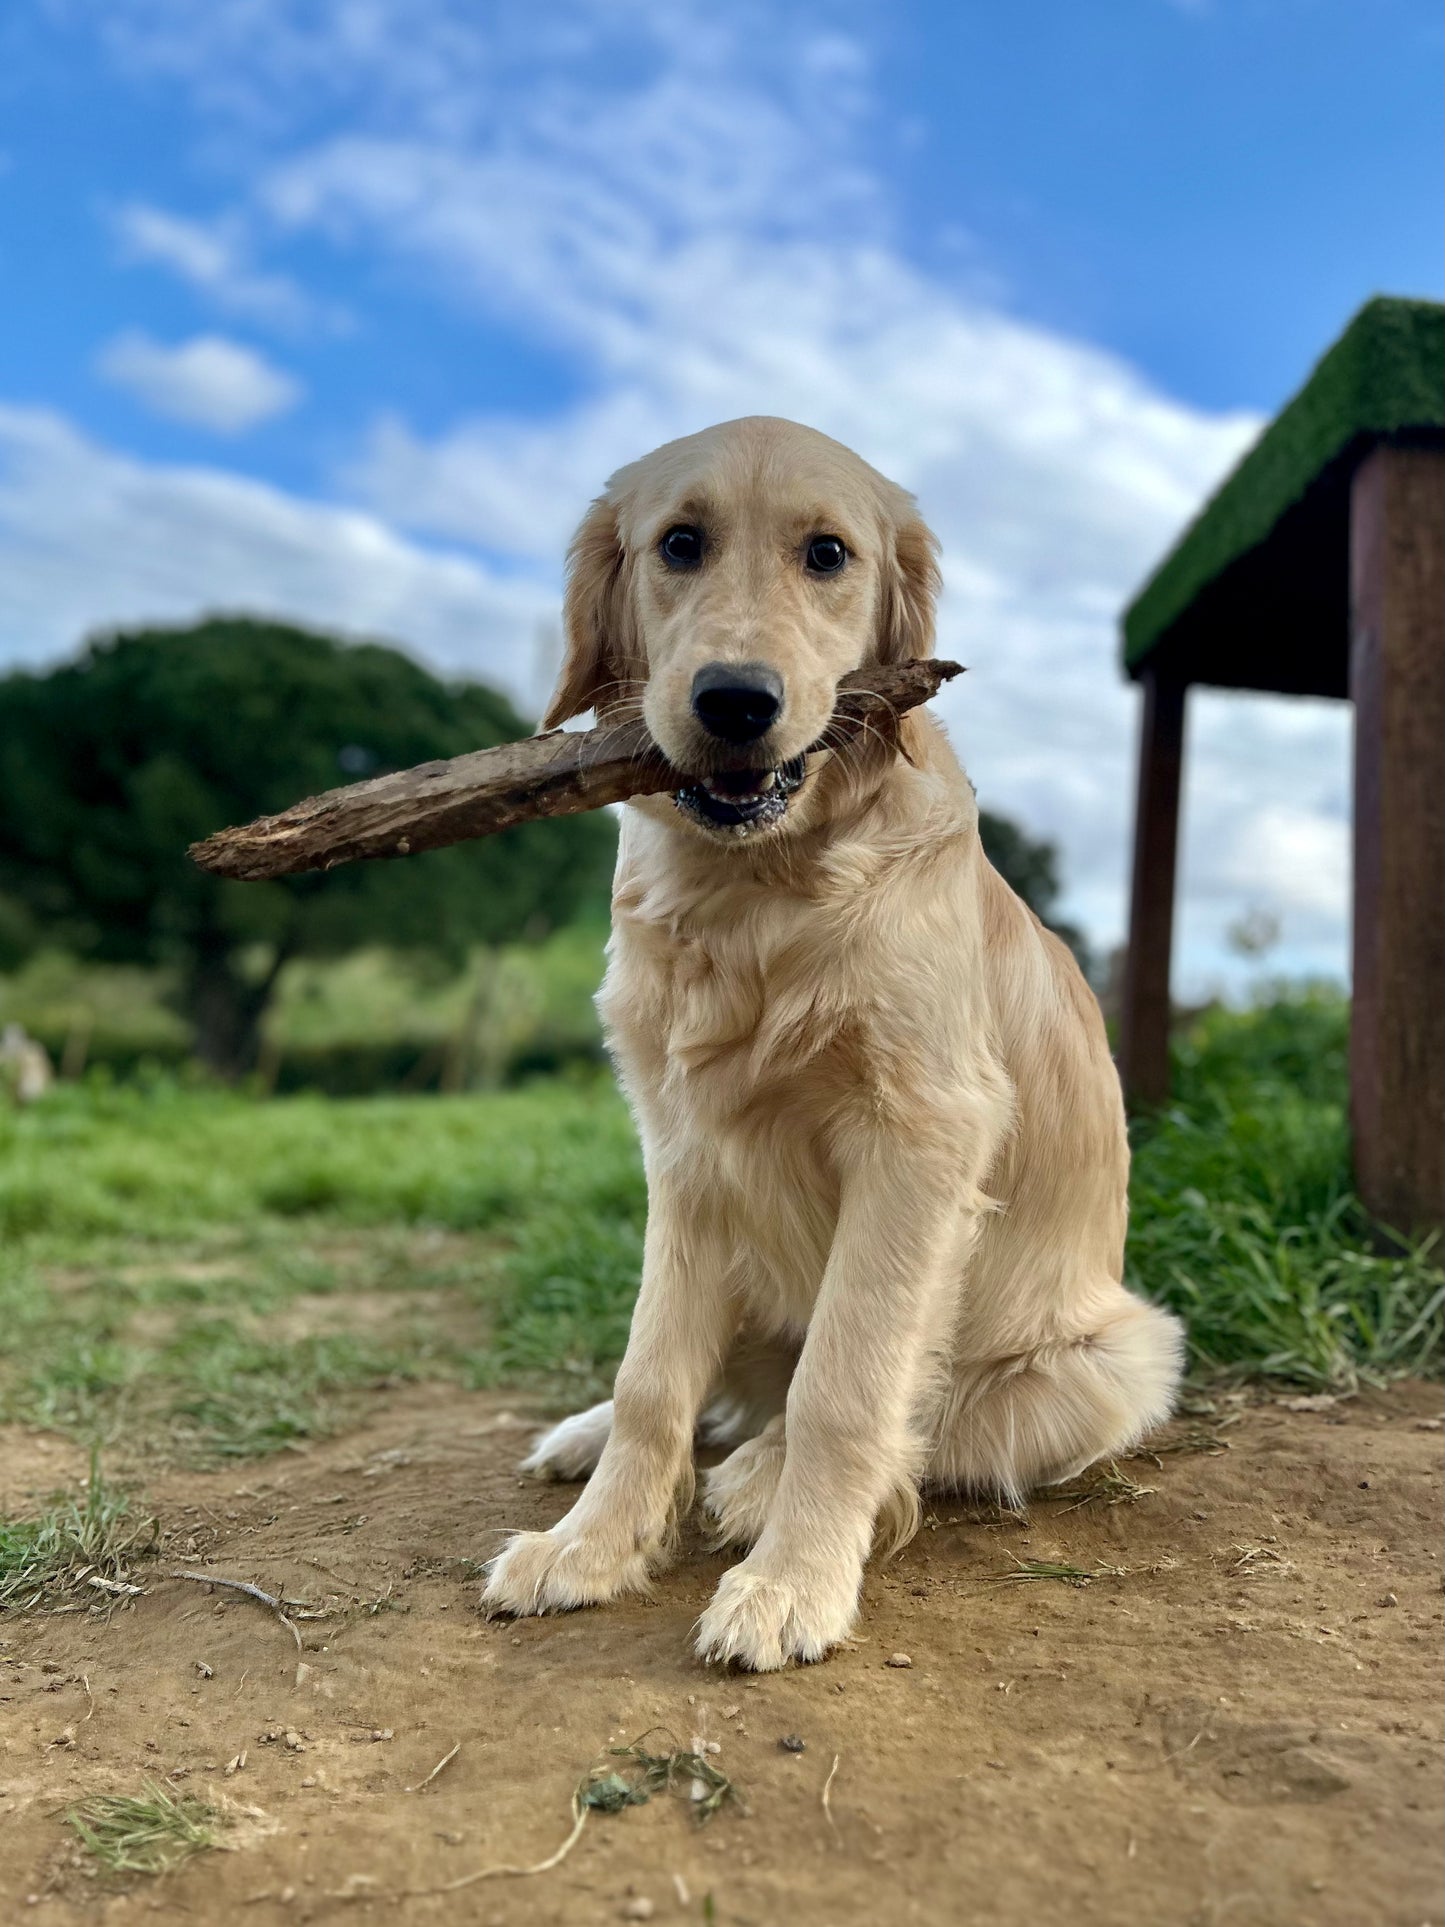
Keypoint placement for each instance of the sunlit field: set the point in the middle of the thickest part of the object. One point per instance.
(217, 1275)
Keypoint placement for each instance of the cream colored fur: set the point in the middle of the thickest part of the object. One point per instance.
(884, 1141)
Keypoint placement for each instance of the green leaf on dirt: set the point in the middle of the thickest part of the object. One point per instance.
(611, 1794)
(678, 1770)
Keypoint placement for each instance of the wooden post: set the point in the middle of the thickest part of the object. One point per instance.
(1397, 681)
(1144, 1018)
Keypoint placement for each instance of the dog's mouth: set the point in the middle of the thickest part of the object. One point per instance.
(741, 801)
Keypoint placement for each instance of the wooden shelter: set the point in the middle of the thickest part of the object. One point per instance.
(1318, 569)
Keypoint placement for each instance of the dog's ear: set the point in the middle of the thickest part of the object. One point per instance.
(596, 617)
(911, 583)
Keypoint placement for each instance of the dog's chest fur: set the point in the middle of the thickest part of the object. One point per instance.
(742, 1057)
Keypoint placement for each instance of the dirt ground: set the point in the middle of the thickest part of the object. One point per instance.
(1237, 1721)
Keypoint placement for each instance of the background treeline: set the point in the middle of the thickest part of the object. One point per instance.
(464, 968)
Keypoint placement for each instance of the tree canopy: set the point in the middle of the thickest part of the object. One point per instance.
(112, 764)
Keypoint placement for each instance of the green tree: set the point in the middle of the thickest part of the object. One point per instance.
(112, 764)
(1030, 866)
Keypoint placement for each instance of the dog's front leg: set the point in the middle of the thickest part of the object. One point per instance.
(851, 1415)
(614, 1536)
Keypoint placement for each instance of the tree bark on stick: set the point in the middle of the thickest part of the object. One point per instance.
(557, 774)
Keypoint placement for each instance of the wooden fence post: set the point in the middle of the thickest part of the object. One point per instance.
(1144, 1017)
(1397, 681)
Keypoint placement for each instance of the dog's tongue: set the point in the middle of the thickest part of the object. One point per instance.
(740, 782)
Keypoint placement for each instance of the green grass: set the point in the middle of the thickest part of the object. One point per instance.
(220, 1276)
(213, 1277)
(94, 1539)
(1245, 1221)
(147, 1834)
(1060, 1570)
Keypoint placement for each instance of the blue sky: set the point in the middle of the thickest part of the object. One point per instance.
(344, 308)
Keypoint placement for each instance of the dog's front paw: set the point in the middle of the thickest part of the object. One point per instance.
(557, 1571)
(571, 1450)
(765, 1620)
(737, 1495)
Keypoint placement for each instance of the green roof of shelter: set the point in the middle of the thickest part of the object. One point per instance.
(1255, 592)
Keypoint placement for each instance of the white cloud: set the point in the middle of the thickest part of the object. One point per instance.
(212, 257)
(450, 67)
(208, 380)
(91, 538)
(1266, 826)
(1045, 463)
(265, 63)
(1296, 859)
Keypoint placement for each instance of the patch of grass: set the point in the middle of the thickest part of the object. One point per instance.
(237, 1396)
(171, 1251)
(1244, 1218)
(567, 1298)
(95, 1164)
(147, 1834)
(97, 1537)
(1060, 1570)
(1108, 1485)
(162, 1288)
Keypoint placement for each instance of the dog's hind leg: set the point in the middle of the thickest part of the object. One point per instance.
(1040, 1416)
(752, 1387)
(571, 1450)
(737, 1494)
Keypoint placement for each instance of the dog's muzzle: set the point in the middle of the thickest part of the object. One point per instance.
(741, 801)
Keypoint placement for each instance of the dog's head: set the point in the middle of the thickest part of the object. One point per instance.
(724, 585)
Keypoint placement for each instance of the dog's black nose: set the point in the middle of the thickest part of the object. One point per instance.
(737, 701)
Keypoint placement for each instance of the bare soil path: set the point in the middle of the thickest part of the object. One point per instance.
(1236, 1722)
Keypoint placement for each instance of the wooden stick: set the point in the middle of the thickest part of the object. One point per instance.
(827, 1792)
(488, 790)
(444, 1761)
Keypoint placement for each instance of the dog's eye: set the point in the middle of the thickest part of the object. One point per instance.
(826, 555)
(682, 546)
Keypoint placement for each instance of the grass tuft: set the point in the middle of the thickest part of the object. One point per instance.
(77, 1543)
(1108, 1485)
(149, 1834)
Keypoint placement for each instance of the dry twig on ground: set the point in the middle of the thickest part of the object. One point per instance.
(262, 1598)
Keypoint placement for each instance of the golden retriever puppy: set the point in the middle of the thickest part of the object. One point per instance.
(884, 1141)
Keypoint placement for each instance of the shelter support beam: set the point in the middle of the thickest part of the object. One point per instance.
(1397, 682)
(1144, 1019)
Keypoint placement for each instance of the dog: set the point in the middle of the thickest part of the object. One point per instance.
(884, 1140)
